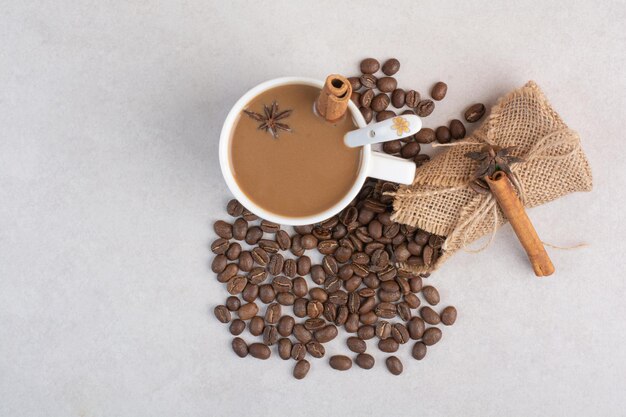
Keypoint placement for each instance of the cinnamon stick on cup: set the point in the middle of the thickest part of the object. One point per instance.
(332, 102)
(503, 191)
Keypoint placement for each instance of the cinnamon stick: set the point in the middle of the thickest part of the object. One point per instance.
(503, 191)
(332, 102)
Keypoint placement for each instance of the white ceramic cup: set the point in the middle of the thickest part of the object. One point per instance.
(373, 164)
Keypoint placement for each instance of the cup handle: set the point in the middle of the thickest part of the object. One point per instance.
(390, 168)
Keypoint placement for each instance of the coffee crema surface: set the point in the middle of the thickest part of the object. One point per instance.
(302, 172)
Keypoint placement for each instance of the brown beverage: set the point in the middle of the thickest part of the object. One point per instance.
(303, 170)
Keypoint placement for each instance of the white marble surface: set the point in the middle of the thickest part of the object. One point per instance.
(109, 119)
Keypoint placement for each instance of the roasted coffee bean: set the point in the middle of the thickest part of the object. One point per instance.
(283, 240)
(431, 336)
(246, 262)
(219, 263)
(345, 272)
(285, 325)
(256, 325)
(343, 254)
(443, 134)
(314, 323)
(267, 293)
(339, 232)
(233, 303)
(222, 313)
(431, 295)
(380, 102)
(330, 223)
(303, 229)
(412, 98)
(420, 159)
(361, 258)
(421, 237)
(228, 273)
(366, 215)
(392, 147)
(250, 292)
(314, 308)
(253, 235)
(332, 284)
(298, 351)
(237, 326)
(419, 351)
(259, 351)
(414, 249)
(352, 323)
(389, 296)
(394, 365)
(367, 113)
(425, 108)
(386, 85)
(299, 307)
(249, 216)
(275, 265)
(219, 246)
(416, 328)
(390, 286)
(383, 329)
(284, 348)
(439, 91)
(384, 115)
(302, 334)
(233, 252)
(354, 302)
(338, 297)
(272, 313)
(342, 315)
(391, 66)
(240, 229)
(385, 310)
(269, 246)
(371, 281)
(457, 130)
(368, 81)
(356, 345)
(299, 287)
(303, 265)
(367, 305)
(475, 112)
(301, 369)
(285, 298)
(397, 98)
(410, 150)
(366, 98)
(330, 312)
(404, 311)
(340, 362)
(391, 230)
(429, 315)
(369, 66)
(321, 233)
(387, 274)
(296, 246)
(448, 316)
(352, 283)
(375, 229)
(234, 208)
(240, 347)
(427, 255)
(425, 135)
(435, 241)
(223, 229)
(399, 333)
(326, 334)
(269, 227)
(355, 83)
(290, 268)
(282, 284)
(270, 335)
(368, 318)
(318, 294)
(366, 332)
(327, 247)
(247, 311)
(388, 345)
(401, 253)
(348, 216)
(309, 241)
(317, 274)
(412, 301)
(315, 349)
(330, 265)
(365, 360)
(260, 256)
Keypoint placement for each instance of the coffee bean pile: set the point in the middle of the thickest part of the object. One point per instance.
(356, 286)
(374, 96)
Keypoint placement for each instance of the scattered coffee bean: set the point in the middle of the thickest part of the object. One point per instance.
(246, 262)
(384, 115)
(366, 98)
(237, 326)
(388, 345)
(391, 66)
(394, 365)
(326, 334)
(356, 345)
(223, 229)
(431, 295)
(380, 102)
(299, 307)
(431, 336)
(340, 362)
(398, 98)
(234, 208)
(259, 351)
(219, 263)
(220, 246)
(386, 85)
(475, 112)
(253, 235)
(365, 360)
(233, 303)
(429, 315)
(366, 332)
(367, 113)
(315, 349)
(240, 229)
(267, 293)
(457, 130)
(240, 347)
(419, 351)
(424, 108)
(412, 98)
(283, 240)
(425, 135)
(247, 311)
(355, 83)
(284, 348)
(299, 287)
(222, 313)
(301, 369)
(410, 150)
(249, 216)
(416, 328)
(399, 333)
(369, 66)
(236, 284)
(285, 326)
(443, 134)
(304, 265)
(270, 335)
(256, 326)
(298, 351)
(439, 91)
(368, 81)
(448, 316)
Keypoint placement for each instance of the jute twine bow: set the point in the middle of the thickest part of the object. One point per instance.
(539, 150)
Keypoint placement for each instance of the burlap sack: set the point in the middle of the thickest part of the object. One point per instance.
(440, 200)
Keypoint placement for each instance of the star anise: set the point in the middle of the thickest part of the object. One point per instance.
(492, 158)
(269, 121)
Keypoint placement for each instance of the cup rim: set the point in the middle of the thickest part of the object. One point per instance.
(224, 147)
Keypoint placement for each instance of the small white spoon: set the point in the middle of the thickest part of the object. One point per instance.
(397, 127)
